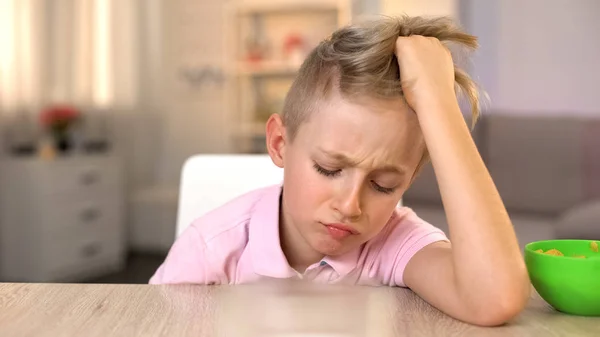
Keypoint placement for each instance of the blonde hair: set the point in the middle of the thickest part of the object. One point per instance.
(359, 61)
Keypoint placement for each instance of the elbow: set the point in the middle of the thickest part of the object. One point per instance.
(503, 307)
(499, 315)
(504, 303)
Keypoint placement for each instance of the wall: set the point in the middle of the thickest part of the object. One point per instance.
(420, 7)
(538, 56)
(192, 119)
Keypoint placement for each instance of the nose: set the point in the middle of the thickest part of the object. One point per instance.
(348, 203)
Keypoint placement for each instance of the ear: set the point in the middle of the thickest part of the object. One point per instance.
(276, 139)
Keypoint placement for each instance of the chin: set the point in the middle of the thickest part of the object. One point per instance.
(331, 247)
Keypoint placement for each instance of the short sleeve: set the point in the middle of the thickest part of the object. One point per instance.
(186, 261)
(406, 235)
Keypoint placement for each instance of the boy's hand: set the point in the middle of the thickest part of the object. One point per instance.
(426, 71)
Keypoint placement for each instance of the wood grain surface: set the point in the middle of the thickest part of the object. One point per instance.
(188, 310)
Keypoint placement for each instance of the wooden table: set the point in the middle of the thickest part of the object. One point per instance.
(186, 310)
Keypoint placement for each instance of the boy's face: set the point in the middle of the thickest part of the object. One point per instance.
(346, 170)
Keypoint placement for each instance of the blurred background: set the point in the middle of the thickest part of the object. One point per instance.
(102, 101)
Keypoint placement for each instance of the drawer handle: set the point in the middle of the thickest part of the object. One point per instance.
(89, 178)
(90, 215)
(91, 250)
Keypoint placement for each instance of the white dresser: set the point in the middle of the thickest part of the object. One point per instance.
(61, 220)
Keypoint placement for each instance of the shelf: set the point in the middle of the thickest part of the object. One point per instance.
(288, 6)
(267, 68)
(255, 88)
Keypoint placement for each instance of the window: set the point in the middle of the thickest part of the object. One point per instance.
(76, 51)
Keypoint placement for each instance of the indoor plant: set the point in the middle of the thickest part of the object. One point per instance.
(58, 120)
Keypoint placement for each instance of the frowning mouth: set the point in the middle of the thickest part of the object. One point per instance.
(340, 231)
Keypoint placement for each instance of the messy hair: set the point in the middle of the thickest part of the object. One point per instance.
(359, 61)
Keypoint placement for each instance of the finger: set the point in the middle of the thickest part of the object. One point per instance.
(403, 43)
(400, 41)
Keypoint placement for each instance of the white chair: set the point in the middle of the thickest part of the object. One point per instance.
(209, 181)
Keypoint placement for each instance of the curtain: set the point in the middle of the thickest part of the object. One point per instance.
(81, 52)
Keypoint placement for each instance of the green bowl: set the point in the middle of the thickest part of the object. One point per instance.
(570, 284)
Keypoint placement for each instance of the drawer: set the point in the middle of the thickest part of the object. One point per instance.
(89, 216)
(81, 178)
(98, 267)
(72, 251)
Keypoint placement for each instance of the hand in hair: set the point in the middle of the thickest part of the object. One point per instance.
(426, 71)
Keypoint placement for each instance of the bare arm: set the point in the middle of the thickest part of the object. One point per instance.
(481, 278)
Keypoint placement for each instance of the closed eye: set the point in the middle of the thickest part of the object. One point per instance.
(384, 190)
(325, 172)
(335, 173)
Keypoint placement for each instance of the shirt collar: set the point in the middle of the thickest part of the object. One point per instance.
(263, 237)
(344, 264)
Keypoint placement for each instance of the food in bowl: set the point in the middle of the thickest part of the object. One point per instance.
(552, 251)
(556, 252)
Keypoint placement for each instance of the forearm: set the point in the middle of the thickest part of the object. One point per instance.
(486, 257)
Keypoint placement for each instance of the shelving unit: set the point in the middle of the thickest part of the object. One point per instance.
(266, 42)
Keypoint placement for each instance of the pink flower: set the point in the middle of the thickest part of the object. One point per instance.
(59, 116)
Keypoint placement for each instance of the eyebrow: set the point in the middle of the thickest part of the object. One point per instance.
(346, 161)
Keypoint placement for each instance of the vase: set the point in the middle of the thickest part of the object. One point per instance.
(63, 142)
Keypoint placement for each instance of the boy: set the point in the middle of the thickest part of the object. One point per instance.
(368, 108)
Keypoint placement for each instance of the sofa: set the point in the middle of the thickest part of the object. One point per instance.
(546, 169)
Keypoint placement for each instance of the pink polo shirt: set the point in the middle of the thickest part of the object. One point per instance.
(239, 243)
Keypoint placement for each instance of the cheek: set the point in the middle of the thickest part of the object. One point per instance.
(380, 210)
(305, 189)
